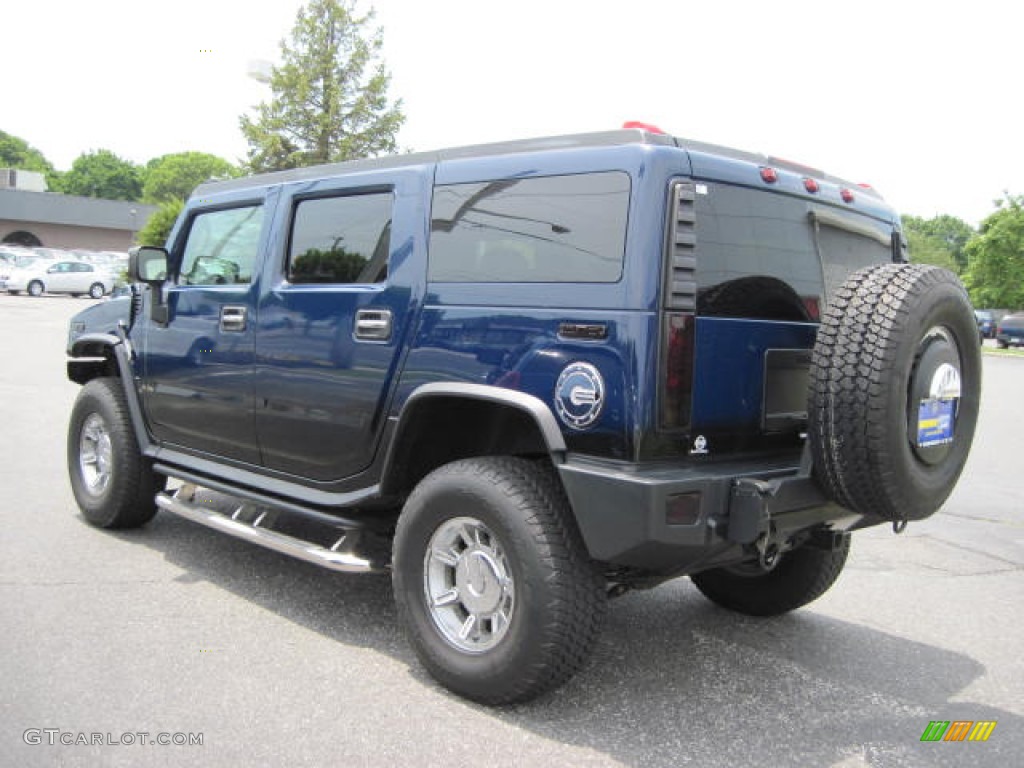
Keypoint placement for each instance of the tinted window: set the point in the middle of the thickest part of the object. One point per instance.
(222, 246)
(758, 253)
(341, 239)
(539, 230)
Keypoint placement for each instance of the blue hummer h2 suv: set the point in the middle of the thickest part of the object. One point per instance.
(529, 376)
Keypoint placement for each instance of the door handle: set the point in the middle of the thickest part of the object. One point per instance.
(233, 318)
(373, 325)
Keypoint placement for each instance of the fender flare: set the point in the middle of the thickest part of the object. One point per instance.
(531, 406)
(92, 347)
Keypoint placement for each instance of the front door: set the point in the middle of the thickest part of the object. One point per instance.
(198, 372)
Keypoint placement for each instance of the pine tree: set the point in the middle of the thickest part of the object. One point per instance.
(329, 96)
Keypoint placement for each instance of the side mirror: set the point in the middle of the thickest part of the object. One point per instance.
(148, 264)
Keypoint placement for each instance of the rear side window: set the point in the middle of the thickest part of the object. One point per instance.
(222, 246)
(341, 239)
(537, 230)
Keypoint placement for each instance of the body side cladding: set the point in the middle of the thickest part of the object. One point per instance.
(255, 485)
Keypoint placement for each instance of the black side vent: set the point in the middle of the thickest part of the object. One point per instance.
(681, 275)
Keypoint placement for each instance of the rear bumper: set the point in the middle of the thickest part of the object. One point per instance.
(623, 510)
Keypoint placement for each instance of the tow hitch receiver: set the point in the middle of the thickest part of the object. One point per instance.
(748, 510)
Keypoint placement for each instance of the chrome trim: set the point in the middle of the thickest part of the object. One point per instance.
(534, 406)
(333, 559)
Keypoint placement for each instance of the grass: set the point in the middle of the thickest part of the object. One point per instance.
(996, 352)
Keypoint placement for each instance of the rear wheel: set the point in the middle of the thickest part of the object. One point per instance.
(801, 576)
(35, 288)
(493, 584)
(895, 387)
(114, 485)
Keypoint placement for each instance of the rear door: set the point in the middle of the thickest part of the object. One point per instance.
(340, 288)
(60, 278)
(766, 265)
(198, 367)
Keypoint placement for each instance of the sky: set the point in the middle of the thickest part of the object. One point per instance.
(921, 99)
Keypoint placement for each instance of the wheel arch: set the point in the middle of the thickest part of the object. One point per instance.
(444, 422)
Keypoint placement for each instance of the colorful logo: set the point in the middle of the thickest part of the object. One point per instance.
(959, 730)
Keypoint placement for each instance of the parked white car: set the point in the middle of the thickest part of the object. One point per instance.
(43, 276)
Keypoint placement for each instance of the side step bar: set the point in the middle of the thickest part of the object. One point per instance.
(246, 521)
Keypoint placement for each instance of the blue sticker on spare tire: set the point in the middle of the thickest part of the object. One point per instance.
(935, 422)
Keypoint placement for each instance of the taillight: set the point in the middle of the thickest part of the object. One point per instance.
(677, 381)
(813, 307)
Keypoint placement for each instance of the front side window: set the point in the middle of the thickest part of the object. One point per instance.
(341, 239)
(536, 230)
(222, 247)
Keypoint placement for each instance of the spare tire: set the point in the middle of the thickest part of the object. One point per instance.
(894, 390)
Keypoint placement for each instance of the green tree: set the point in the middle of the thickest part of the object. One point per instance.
(160, 223)
(173, 177)
(940, 240)
(329, 96)
(101, 173)
(18, 153)
(995, 271)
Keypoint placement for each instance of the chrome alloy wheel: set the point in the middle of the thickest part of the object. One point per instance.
(468, 585)
(95, 455)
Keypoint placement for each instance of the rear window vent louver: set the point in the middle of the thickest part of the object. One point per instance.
(681, 277)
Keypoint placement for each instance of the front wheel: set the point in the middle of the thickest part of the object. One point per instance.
(96, 291)
(492, 581)
(113, 483)
(801, 576)
(35, 288)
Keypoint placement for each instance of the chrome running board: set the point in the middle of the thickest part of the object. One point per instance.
(251, 522)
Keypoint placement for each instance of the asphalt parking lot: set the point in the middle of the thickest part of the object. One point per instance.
(175, 629)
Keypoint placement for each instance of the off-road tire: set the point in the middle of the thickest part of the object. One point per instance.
(559, 594)
(801, 576)
(113, 483)
(881, 326)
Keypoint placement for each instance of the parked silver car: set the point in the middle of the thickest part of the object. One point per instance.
(40, 276)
